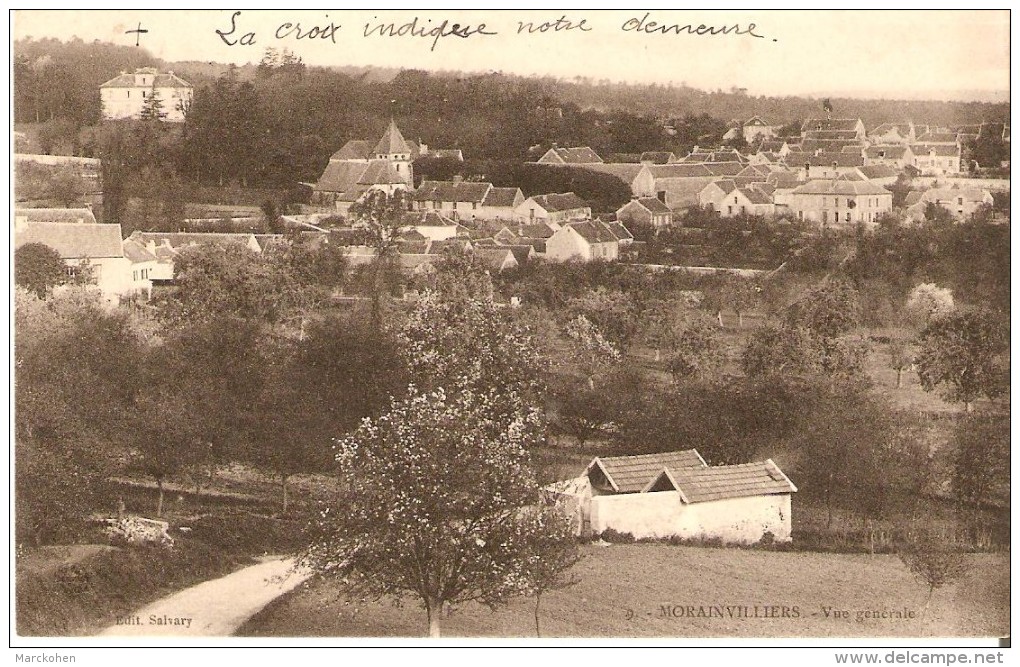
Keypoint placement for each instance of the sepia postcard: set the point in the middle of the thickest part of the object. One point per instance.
(539, 327)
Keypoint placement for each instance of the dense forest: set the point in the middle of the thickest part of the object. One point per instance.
(277, 122)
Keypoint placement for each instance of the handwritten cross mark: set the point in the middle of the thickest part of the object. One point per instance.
(138, 33)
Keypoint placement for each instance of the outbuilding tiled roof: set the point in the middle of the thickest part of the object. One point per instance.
(653, 205)
(592, 231)
(68, 215)
(632, 474)
(940, 150)
(840, 187)
(501, 197)
(566, 201)
(452, 191)
(699, 485)
(577, 155)
(72, 241)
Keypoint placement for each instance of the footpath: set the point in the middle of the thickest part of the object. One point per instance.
(213, 608)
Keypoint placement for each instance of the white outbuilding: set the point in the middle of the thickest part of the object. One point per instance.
(678, 494)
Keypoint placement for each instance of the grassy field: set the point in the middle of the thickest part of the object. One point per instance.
(648, 590)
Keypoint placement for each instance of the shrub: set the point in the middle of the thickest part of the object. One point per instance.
(614, 536)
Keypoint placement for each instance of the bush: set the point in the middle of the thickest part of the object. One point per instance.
(616, 537)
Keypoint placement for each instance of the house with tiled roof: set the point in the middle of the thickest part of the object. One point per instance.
(467, 200)
(657, 157)
(839, 202)
(891, 155)
(823, 164)
(937, 159)
(91, 249)
(892, 133)
(645, 211)
(879, 174)
(555, 208)
(833, 128)
(125, 96)
(634, 175)
(362, 166)
(756, 128)
(570, 156)
(961, 202)
(585, 241)
(66, 215)
(678, 494)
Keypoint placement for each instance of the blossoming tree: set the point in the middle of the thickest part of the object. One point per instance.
(440, 500)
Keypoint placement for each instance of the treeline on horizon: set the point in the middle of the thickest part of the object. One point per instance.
(280, 120)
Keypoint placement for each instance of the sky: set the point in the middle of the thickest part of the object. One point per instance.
(921, 54)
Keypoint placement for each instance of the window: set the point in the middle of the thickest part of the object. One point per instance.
(398, 167)
(959, 201)
(129, 93)
(848, 203)
(848, 216)
(825, 216)
(134, 275)
(532, 217)
(474, 205)
(734, 200)
(800, 215)
(729, 210)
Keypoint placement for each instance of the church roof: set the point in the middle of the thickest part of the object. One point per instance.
(392, 142)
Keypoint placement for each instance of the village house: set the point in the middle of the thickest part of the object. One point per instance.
(824, 164)
(746, 200)
(645, 211)
(360, 167)
(678, 185)
(570, 156)
(833, 129)
(756, 128)
(657, 157)
(892, 133)
(433, 225)
(125, 96)
(181, 240)
(634, 175)
(880, 174)
(552, 209)
(839, 202)
(676, 494)
(467, 200)
(961, 202)
(96, 249)
(585, 241)
(897, 156)
(937, 159)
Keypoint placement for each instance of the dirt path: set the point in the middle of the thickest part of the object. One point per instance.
(214, 608)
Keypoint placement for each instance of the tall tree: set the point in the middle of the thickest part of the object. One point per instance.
(383, 216)
(961, 355)
(38, 268)
(440, 484)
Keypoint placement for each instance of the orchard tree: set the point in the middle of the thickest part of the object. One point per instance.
(981, 459)
(934, 562)
(382, 215)
(438, 489)
(695, 352)
(901, 357)
(779, 351)
(740, 294)
(927, 301)
(612, 312)
(38, 268)
(550, 553)
(590, 349)
(960, 354)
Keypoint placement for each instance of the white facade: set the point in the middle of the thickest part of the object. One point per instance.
(663, 514)
(126, 95)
